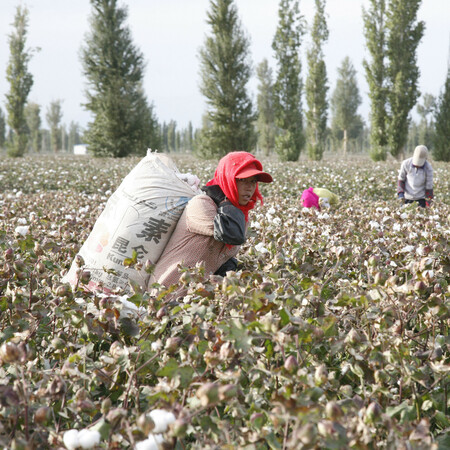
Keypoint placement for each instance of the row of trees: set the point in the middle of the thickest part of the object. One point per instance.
(38, 139)
(124, 121)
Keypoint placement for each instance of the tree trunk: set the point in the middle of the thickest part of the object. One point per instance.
(345, 142)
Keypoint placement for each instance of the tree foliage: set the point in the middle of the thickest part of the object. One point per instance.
(33, 118)
(54, 116)
(345, 102)
(441, 149)
(405, 33)
(265, 123)
(375, 35)
(225, 70)
(123, 122)
(288, 85)
(316, 86)
(426, 111)
(20, 81)
(392, 35)
(2, 129)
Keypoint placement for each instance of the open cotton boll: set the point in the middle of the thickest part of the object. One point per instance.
(162, 420)
(129, 309)
(152, 443)
(22, 230)
(22, 221)
(71, 440)
(88, 438)
(260, 248)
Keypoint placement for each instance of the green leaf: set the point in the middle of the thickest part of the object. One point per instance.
(273, 442)
(284, 316)
(169, 370)
(185, 374)
(443, 441)
(129, 327)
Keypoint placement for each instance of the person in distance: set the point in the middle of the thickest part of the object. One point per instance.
(415, 179)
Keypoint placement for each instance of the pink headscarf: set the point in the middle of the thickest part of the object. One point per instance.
(309, 199)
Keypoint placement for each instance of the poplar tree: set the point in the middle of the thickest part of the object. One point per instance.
(405, 33)
(54, 116)
(265, 123)
(20, 81)
(288, 84)
(225, 70)
(376, 76)
(2, 129)
(426, 112)
(316, 86)
(123, 122)
(441, 149)
(345, 102)
(33, 118)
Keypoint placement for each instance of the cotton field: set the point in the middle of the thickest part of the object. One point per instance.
(332, 333)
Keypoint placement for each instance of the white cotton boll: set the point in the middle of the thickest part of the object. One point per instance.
(256, 225)
(412, 235)
(22, 221)
(397, 227)
(407, 249)
(129, 309)
(157, 345)
(22, 230)
(324, 216)
(277, 221)
(152, 443)
(88, 438)
(271, 210)
(403, 216)
(70, 439)
(373, 224)
(162, 420)
(19, 194)
(260, 248)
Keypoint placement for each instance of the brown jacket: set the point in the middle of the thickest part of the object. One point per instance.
(193, 242)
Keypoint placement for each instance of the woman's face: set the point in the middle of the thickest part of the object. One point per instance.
(246, 188)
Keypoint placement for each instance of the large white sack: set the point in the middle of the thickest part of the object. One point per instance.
(141, 216)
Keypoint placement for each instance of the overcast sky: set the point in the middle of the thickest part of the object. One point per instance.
(170, 33)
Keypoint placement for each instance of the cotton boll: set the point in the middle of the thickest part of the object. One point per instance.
(22, 230)
(71, 440)
(88, 438)
(152, 443)
(260, 248)
(162, 420)
(157, 345)
(22, 221)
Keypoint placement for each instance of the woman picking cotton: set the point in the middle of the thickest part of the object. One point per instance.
(214, 224)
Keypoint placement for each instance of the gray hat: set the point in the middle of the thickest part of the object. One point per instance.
(420, 155)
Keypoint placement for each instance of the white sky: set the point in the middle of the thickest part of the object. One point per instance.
(170, 34)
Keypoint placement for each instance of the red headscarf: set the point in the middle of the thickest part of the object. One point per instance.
(225, 176)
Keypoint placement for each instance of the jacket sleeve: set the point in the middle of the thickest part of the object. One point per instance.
(229, 224)
(429, 181)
